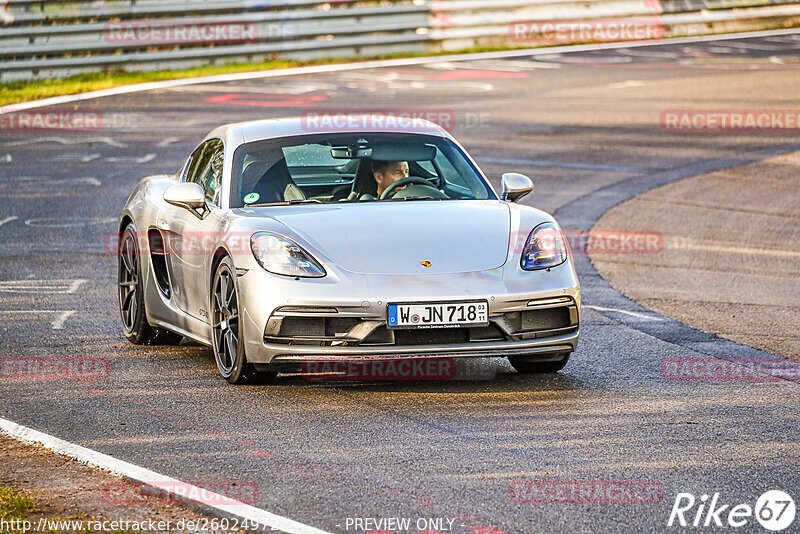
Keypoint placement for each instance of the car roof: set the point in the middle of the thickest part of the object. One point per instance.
(325, 123)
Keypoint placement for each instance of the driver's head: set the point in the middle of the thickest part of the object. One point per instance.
(388, 172)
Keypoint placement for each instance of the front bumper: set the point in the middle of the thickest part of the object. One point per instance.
(352, 299)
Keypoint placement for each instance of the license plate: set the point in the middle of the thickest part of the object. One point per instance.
(438, 314)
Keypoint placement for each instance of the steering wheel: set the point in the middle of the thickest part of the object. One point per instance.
(402, 182)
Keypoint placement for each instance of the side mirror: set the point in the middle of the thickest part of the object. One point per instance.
(186, 195)
(515, 186)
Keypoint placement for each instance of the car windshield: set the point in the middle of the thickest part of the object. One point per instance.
(353, 168)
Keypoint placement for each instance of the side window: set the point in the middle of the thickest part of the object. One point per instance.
(449, 173)
(195, 161)
(213, 183)
(205, 169)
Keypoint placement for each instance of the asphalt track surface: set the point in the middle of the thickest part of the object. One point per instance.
(586, 127)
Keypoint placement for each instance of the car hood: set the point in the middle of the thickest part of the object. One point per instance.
(419, 237)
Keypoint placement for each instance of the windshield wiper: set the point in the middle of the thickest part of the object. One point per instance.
(286, 202)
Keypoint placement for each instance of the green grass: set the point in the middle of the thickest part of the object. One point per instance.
(23, 91)
(14, 504)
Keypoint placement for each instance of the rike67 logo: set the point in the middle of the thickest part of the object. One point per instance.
(774, 510)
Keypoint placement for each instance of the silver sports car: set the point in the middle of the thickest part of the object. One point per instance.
(281, 242)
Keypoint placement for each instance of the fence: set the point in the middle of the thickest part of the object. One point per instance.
(46, 39)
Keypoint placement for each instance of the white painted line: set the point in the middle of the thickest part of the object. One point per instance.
(68, 222)
(625, 312)
(62, 286)
(63, 141)
(151, 86)
(505, 66)
(74, 285)
(58, 324)
(168, 141)
(151, 478)
(55, 324)
(8, 219)
(40, 184)
(629, 83)
(739, 250)
(143, 159)
(68, 158)
(49, 182)
(88, 181)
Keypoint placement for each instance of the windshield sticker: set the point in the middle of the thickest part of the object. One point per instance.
(252, 197)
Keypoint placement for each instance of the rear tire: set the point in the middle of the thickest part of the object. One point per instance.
(130, 290)
(525, 365)
(226, 339)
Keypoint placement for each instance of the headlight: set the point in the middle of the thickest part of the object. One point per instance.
(280, 255)
(544, 248)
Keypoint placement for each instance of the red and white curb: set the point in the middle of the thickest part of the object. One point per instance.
(163, 483)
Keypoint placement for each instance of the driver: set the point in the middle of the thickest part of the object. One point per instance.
(388, 172)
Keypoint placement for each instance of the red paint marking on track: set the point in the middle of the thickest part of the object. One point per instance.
(275, 100)
(478, 74)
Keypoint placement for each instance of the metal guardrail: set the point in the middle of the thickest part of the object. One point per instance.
(469, 23)
(45, 39)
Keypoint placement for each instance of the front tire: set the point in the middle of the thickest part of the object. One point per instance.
(226, 340)
(130, 290)
(524, 364)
